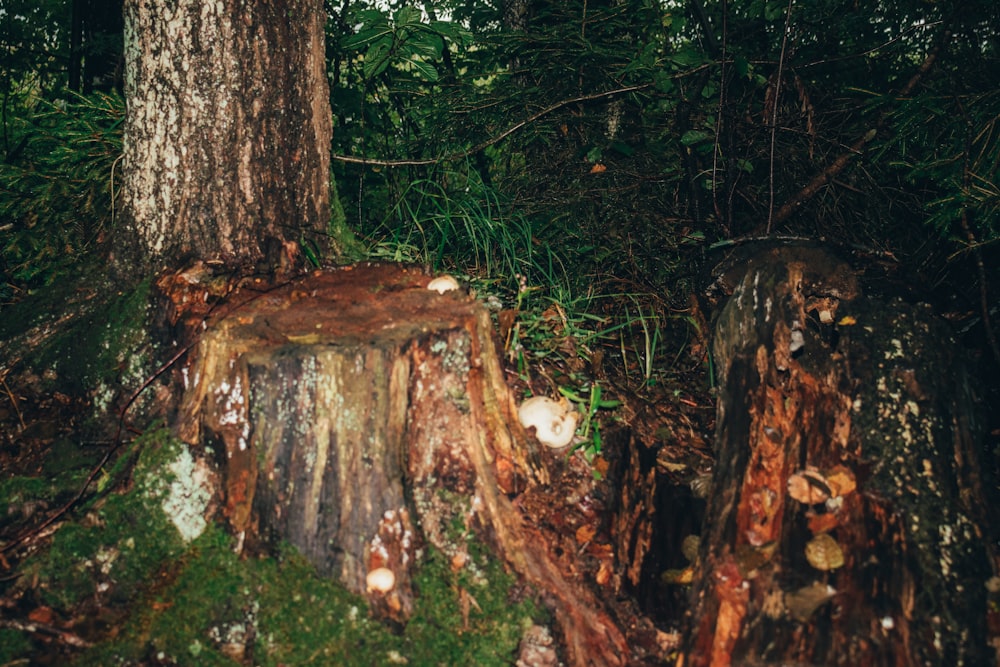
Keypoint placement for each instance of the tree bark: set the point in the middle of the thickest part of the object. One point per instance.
(846, 522)
(227, 135)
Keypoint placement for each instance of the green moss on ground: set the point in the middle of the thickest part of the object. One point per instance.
(198, 603)
(100, 336)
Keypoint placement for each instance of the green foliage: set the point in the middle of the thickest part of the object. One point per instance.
(955, 164)
(403, 40)
(590, 428)
(56, 188)
(454, 222)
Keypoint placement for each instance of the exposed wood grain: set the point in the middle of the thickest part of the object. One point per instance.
(824, 389)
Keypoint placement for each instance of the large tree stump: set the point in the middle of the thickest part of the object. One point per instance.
(361, 415)
(846, 522)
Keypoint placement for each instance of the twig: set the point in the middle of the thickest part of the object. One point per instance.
(37, 628)
(117, 441)
(774, 115)
(489, 142)
(13, 399)
(837, 166)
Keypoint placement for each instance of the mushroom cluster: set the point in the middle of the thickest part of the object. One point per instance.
(554, 421)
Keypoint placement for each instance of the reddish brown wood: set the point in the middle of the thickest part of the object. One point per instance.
(360, 415)
(814, 376)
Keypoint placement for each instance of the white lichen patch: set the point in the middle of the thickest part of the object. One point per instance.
(897, 349)
(186, 499)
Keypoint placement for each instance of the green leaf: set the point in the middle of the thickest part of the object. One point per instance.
(742, 66)
(663, 82)
(453, 31)
(376, 58)
(623, 148)
(364, 37)
(692, 137)
(687, 56)
(426, 44)
(424, 69)
(407, 16)
(775, 10)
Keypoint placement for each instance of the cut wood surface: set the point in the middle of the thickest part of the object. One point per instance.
(846, 523)
(359, 416)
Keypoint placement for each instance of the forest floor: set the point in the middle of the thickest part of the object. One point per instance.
(86, 576)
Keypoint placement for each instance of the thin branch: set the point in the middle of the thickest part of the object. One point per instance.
(838, 165)
(489, 142)
(874, 49)
(716, 148)
(774, 114)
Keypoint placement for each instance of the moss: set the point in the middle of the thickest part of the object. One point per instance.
(13, 645)
(116, 544)
(99, 333)
(199, 603)
(284, 613)
(463, 618)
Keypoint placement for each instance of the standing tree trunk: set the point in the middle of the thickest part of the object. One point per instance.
(227, 135)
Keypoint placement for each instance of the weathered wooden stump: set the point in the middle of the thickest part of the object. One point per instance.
(361, 415)
(845, 525)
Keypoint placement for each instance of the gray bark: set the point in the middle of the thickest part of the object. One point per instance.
(227, 135)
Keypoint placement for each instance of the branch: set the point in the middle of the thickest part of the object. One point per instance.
(489, 142)
(837, 166)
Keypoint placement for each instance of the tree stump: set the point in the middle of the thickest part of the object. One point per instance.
(360, 415)
(846, 523)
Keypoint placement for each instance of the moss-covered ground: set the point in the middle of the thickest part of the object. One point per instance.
(115, 584)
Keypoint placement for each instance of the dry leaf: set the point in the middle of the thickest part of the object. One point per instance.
(585, 534)
(685, 576)
(823, 523)
(802, 603)
(823, 553)
(604, 573)
(808, 487)
(841, 481)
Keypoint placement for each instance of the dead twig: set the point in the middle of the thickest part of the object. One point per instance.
(838, 165)
(13, 399)
(36, 628)
(489, 142)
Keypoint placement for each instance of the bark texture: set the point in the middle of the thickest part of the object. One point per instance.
(227, 135)
(846, 522)
(362, 416)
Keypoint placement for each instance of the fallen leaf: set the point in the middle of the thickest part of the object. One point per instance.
(841, 481)
(823, 553)
(585, 534)
(802, 603)
(823, 523)
(809, 487)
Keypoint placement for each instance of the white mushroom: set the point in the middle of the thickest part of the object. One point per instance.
(443, 284)
(554, 421)
(380, 580)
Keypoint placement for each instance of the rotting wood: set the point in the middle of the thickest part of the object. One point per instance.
(357, 415)
(846, 521)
